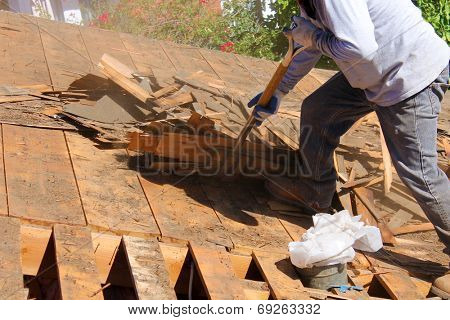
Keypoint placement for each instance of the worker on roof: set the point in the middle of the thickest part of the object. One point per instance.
(392, 62)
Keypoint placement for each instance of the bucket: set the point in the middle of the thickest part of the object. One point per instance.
(324, 277)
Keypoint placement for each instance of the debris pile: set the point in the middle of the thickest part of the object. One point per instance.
(188, 123)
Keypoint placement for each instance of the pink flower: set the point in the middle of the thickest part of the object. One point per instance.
(227, 47)
(104, 17)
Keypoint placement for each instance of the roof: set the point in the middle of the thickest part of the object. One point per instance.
(62, 188)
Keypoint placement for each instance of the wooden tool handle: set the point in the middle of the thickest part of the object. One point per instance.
(269, 91)
(263, 101)
(272, 85)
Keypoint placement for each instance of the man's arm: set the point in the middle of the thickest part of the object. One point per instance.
(351, 33)
(299, 67)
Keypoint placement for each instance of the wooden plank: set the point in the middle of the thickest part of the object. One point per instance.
(362, 277)
(346, 199)
(287, 140)
(166, 90)
(89, 124)
(105, 248)
(3, 196)
(188, 148)
(362, 195)
(11, 277)
(249, 224)
(186, 58)
(360, 170)
(241, 265)
(398, 285)
(148, 270)
(174, 258)
(21, 51)
(77, 273)
(360, 261)
(39, 176)
(201, 123)
(175, 100)
(407, 203)
(45, 97)
(255, 290)
(182, 210)
(216, 273)
(387, 163)
(365, 209)
(112, 196)
(400, 218)
(8, 99)
(423, 286)
(352, 294)
(198, 148)
(351, 176)
(110, 62)
(324, 295)
(42, 88)
(101, 41)
(114, 70)
(148, 56)
(65, 51)
(412, 228)
(280, 275)
(353, 142)
(363, 182)
(34, 242)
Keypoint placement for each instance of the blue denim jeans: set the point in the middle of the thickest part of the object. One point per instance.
(410, 130)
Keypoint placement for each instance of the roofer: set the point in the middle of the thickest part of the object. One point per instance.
(392, 62)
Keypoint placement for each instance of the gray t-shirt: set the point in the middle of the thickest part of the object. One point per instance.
(384, 47)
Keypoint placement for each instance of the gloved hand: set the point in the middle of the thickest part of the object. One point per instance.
(303, 31)
(262, 113)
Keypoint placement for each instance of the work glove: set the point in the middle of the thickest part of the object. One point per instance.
(303, 31)
(262, 113)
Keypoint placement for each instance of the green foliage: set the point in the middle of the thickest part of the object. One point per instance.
(282, 10)
(437, 12)
(190, 22)
(249, 36)
(182, 21)
(241, 27)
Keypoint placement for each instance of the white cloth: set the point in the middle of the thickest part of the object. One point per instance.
(333, 239)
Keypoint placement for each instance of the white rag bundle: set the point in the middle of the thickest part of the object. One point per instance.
(333, 239)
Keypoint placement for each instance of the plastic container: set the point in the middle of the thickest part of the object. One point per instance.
(324, 277)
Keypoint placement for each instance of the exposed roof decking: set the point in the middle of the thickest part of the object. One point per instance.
(99, 190)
